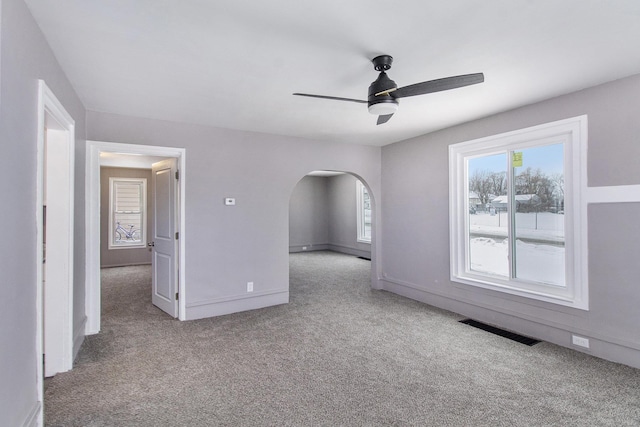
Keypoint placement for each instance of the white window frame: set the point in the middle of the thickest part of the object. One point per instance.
(143, 221)
(360, 189)
(573, 133)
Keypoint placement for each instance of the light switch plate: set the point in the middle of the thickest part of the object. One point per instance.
(229, 201)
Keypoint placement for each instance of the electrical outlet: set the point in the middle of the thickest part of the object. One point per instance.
(580, 341)
(304, 248)
(249, 286)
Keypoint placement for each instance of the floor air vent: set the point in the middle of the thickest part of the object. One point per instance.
(497, 331)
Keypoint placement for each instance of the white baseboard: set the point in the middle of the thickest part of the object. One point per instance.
(78, 336)
(33, 417)
(608, 348)
(235, 304)
(308, 247)
(125, 265)
(350, 250)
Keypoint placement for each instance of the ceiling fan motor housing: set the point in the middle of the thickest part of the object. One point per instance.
(382, 104)
(382, 62)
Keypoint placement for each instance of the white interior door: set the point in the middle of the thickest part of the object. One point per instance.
(58, 261)
(164, 237)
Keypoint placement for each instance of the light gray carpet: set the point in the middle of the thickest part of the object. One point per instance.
(339, 354)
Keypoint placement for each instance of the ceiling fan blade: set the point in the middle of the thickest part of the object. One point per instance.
(335, 98)
(384, 119)
(438, 85)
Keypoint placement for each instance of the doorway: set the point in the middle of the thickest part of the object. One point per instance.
(92, 279)
(332, 211)
(138, 220)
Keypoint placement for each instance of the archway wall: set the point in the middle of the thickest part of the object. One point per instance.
(309, 215)
(343, 216)
(229, 246)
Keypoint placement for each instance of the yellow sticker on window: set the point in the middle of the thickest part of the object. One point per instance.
(517, 159)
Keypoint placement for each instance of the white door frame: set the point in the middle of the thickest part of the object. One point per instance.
(92, 224)
(60, 307)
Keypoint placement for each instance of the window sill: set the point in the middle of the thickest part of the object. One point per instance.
(140, 246)
(539, 295)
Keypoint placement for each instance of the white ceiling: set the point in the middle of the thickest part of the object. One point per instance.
(122, 160)
(235, 63)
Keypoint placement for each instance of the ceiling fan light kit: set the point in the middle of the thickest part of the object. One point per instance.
(383, 108)
(384, 93)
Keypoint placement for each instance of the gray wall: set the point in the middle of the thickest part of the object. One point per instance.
(322, 215)
(343, 222)
(415, 255)
(309, 215)
(228, 246)
(122, 256)
(25, 57)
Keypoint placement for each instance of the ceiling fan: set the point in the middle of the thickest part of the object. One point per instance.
(384, 93)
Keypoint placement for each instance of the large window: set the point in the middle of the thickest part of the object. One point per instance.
(127, 207)
(364, 213)
(517, 219)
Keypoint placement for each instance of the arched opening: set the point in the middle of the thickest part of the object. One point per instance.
(332, 219)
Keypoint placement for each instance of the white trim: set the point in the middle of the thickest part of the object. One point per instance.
(125, 264)
(92, 223)
(34, 418)
(614, 194)
(349, 250)
(574, 133)
(360, 217)
(79, 335)
(238, 297)
(229, 305)
(48, 104)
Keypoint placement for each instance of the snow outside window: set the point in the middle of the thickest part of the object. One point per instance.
(364, 213)
(517, 222)
(127, 203)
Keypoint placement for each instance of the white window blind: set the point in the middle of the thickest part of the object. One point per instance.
(128, 199)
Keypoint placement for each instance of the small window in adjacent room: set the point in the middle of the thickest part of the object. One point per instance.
(364, 213)
(127, 209)
(517, 222)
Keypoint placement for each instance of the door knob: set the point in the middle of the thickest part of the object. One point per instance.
(150, 244)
